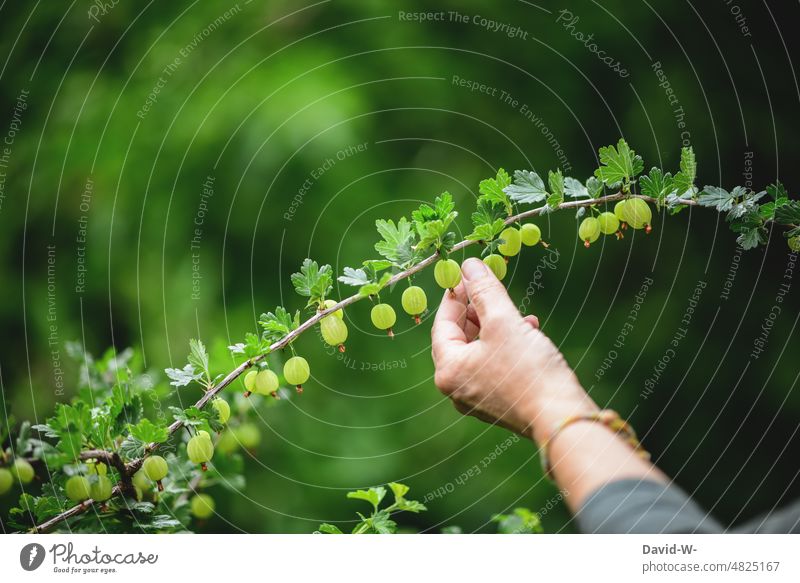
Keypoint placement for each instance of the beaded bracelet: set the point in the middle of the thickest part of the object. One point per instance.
(607, 417)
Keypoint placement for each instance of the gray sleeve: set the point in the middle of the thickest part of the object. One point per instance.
(643, 507)
(784, 521)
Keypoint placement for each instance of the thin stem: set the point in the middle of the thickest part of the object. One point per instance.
(133, 466)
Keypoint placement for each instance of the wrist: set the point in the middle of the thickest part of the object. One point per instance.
(561, 398)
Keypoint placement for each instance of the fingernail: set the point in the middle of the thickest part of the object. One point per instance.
(473, 269)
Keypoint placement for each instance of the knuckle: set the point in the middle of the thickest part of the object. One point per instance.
(481, 294)
(443, 378)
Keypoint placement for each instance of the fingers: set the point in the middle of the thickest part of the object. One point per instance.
(487, 294)
(472, 325)
(448, 327)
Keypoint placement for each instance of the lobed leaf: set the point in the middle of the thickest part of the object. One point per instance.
(657, 185)
(313, 281)
(528, 187)
(620, 165)
(493, 190)
(556, 182)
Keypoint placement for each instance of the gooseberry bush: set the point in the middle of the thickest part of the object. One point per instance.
(135, 472)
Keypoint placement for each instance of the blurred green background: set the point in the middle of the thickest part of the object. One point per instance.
(255, 97)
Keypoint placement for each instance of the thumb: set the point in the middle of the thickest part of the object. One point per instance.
(487, 294)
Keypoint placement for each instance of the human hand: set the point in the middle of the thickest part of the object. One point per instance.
(495, 364)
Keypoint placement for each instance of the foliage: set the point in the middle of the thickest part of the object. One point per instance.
(520, 521)
(107, 421)
(379, 520)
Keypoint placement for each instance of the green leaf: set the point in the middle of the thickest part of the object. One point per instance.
(132, 448)
(594, 187)
(251, 347)
(556, 182)
(528, 187)
(326, 528)
(716, 197)
(657, 185)
(620, 165)
(373, 495)
(198, 357)
(160, 522)
(750, 239)
(777, 191)
(313, 282)
(432, 222)
(573, 188)
(398, 241)
(487, 221)
(486, 233)
(71, 424)
(40, 507)
(181, 377)
(684, 180)
(430, 234)
(411, 506)
(148, 432)
(278, 324)
(194, 417)
(788, 213)
(354, 276)
(374, 266)
(492, 190)
(399, 490)
(521, 521)
(367, 279)
(746, 202)
(375, 287)
(382, 523)
(442, 210)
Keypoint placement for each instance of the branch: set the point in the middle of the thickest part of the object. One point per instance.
(132, 467)
(112, 459)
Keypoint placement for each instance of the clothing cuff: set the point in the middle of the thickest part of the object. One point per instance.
(643, 507)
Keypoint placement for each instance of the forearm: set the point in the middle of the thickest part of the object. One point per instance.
(584, 455)
(607, 485)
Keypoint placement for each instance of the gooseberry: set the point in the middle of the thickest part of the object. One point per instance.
(334, 331)
(101, 489)
(609, 223)
(447, 273)
(200, 449)
(6, 481)
(250, 382)
(223, 409)
(267, 383)
(530, 234)
(202, 506)
(23, 471)
(589, 230)
(638, 214)
(329, 304)
(78, 489)
(414, 302)
(296, 371)
(512, 242)
(497, 264)
(155, 467)
(248, 435)
(383, 318)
